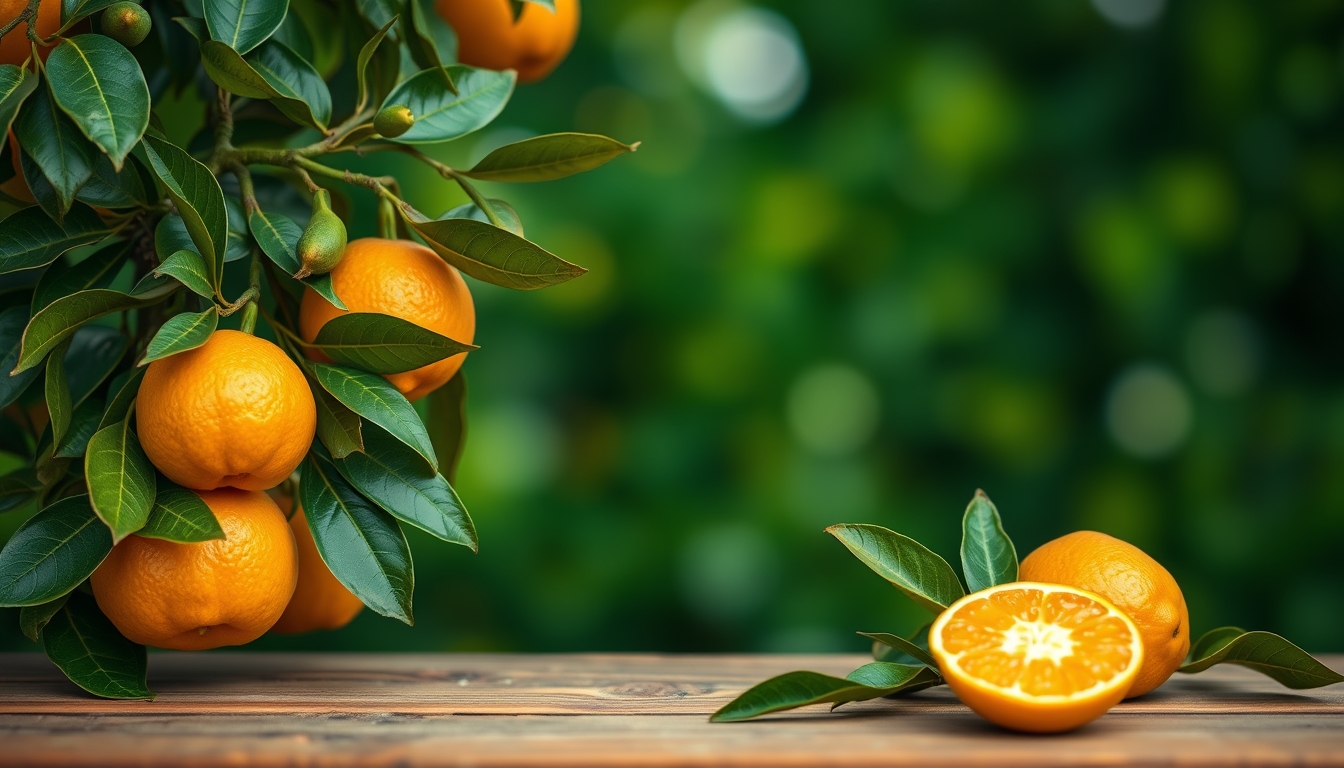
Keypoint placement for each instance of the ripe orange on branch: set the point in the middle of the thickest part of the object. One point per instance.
(489, 37)
(319, 601)
(190, 597)
(405, 280)
(233, 412)
(15, 46)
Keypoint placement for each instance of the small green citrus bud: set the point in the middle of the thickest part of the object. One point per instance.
(322, 244)
(127, 23)
(393, 121)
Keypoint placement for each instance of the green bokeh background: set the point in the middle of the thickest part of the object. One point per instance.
(1093, 270)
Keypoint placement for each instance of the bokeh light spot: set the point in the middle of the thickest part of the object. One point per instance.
(1148, 411)
(749, 58)
(833, 409)
(1131, 14)
(728, 572)
(515, 449)
(1223, 352)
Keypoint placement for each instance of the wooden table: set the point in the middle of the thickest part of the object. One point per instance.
(612, 710)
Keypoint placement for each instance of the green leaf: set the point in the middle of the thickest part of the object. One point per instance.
(922, 575)
(495, 255)
(29, 238)
(65, 157)
(306, 98)
(57, 391)
(244, 24)
(231, 72)
(17, 489)
(237, 242)
(373, 398)
(441, 114)
(549, 157)
(120, 479)
(65, 315)
(95, 351)
(52, 553)
(12, 323)
(97, 271)
(919, 638)
(278, 237)
(373, 85)
(987, 554)
(431, 42)
(383, 344)
(33, 618)
(199, 200)
(799, 689)
(112, 188)
(179, 515)
(98, 83)
(188, 268)
(184, 331)
(447, 423)
(1213, 641)
(93, 654)
(83, 425)
(338, 427)
(378, 12)
(906, 647)
(361, 544)
(503, 210)
(16, 85)
(120, 403)
(1266, 653)
(74, 10)
(395, 478)
(42, 190)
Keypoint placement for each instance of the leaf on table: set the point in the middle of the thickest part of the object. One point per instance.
(987, 554)
(33, 618)
(910, 566)
(799, 689)
(1266, 653)
(908, 649)
(1212, 641)
(93, 654)
(52, 553)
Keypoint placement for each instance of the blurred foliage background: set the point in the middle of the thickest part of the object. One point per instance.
(870, 257)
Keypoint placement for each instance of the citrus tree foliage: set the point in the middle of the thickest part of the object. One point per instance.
(174, 222)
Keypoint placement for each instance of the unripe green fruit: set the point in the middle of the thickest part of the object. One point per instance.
(322, 244)
(393, 121)
(127, 23)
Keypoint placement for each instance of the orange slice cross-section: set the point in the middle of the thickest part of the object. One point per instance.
(1037, 657)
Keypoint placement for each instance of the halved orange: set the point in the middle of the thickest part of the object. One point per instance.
(1037, 657)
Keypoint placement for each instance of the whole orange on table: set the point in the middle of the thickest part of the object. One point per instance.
(405, 280)
(191, 597)
(320, 601)
(1127, 577)
(488, 36)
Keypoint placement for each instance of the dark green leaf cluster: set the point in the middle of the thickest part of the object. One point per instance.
(904, 665)
(134, 230)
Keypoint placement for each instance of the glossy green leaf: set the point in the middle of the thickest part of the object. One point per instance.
(503, 210)
(98, 83)
(183, 331)
(544, 158)
(188, 268)
(440, 114)
(65, 315)
(94, 353)
(396, 479)
(16, 85)
(373, 398)
(57, 147)
(910, 566)
(12, 323)
(278, 237)
(108, 187)
(119, 405)
(199, 200)
(30, 238)
(74, 10)
(57, 391)
(97, 271)
(495, 255)
(93, 654)
(306, 98)
(18, 489)
(447, 423)
(1266, 653)
(179, 515)
(378, 12)
(906, 647)
(987, 554)
(83, 425)
(361, 544)
(120, 479)
(799, 689)
(919, 638)
(431, 42)
(33, 618)
(383, 343)
(1213, 641)
(52, 552)
(238, 243)
(338, 427)
(227, 68)
(244, 24)
(41, 189)
(373, 83)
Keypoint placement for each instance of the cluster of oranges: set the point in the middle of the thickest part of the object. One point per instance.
(1094, 620)
(235, 417)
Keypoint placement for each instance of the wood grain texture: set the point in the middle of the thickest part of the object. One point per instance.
(612, 710)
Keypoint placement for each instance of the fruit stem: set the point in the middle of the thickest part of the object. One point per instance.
(477, 198)
(28, 13)
(249, 324)
(387, 220)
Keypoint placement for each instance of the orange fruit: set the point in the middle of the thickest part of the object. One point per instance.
(234, 411)
(319, 601)
(14, 46)
(1123, 574)
(1036, 657)
(405, 280)
(190, 597)
(488, 36)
